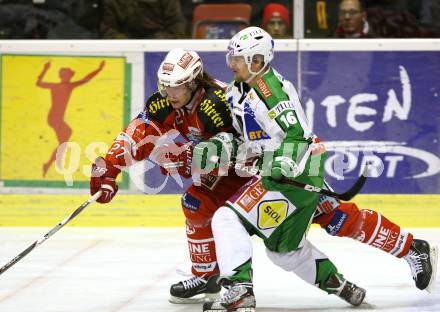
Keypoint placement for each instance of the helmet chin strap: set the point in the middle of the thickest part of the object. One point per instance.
(253, 74)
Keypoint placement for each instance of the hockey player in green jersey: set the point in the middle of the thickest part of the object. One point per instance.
(272, 133)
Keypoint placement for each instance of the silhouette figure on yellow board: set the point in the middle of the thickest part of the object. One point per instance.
(60, 95)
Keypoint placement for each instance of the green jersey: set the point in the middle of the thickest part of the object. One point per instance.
(270, 121)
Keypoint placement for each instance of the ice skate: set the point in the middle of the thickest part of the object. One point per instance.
(422, 260)
(239, 297)
(195, 290)
(346, 290)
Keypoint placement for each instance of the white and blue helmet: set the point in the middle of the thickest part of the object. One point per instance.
(249, 42)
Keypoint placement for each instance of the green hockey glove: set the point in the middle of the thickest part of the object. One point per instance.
(218, 152)
(283, 166)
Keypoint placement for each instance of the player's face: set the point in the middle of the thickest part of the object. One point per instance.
(239, 67)
(178, 96)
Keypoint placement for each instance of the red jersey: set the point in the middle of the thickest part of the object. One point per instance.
(205, 115)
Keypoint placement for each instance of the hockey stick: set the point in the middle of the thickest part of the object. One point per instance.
(346, 196)
(50, 233)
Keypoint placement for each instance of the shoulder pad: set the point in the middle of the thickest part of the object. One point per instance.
(214, 111)
(158, 107)
(270, 89)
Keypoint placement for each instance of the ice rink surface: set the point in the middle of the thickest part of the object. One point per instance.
(131, 269)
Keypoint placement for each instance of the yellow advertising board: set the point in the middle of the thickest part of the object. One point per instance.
(165, 210)
(57, 114)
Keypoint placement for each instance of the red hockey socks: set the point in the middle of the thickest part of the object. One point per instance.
(368, 227)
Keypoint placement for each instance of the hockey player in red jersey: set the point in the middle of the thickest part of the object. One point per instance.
(193, 103)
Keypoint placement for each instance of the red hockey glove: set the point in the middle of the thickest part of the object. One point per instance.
(174, 158)
(104, 178)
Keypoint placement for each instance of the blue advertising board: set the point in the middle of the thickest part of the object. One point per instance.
(377, 107)
(381, 108)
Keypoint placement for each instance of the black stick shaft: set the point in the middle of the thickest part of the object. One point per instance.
(346, 196)
(50, 233)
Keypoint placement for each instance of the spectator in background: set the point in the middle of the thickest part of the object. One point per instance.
(396, 19)
(353, 21)
(69, 19)
(276, 21)
(87, 13)
(430, 16)
(142, 19)
(49, 19)
(13, 19)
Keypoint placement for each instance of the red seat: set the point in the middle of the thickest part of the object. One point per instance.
(220, 21)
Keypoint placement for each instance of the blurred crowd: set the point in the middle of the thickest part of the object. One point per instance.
(211, 19)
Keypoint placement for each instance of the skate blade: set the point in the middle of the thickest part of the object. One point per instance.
(433, 254)
(196, 299)
(366, 305)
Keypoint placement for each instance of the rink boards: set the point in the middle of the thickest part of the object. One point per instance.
(368, 99)
(165, 210)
